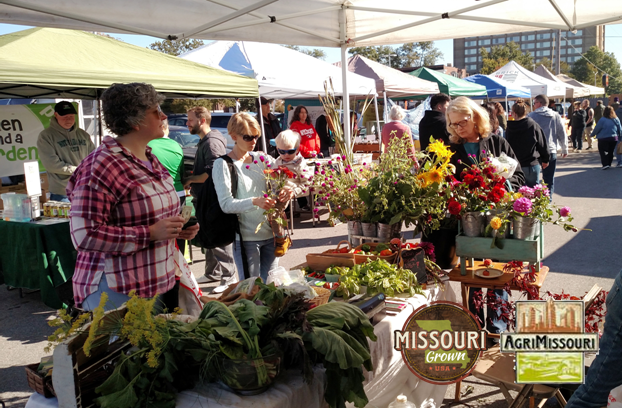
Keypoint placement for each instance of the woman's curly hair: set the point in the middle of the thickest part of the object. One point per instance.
(125, 105)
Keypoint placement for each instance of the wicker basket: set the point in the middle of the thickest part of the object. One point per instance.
(360, 258)
(322, 296)
(339, 255)
(42, 385)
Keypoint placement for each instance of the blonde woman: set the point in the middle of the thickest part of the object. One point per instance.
(471, 140)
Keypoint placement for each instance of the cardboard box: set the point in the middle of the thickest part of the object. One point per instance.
(44, 182)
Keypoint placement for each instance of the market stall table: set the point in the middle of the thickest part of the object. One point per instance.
(37, 255)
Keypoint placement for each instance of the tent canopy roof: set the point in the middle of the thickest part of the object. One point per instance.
(593, 90)
(53, 63)
(327, 23)
(450, 85)
(281, 72)
(498, 88)
(395, 83)
(516, 74)
(572, 91)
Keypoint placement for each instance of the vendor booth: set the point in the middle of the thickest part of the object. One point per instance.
(450, 85)
(518, 75)
(593, 90)
(498, 89)
(572, 91)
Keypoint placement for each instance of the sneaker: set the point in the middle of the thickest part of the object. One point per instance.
(207, 279)
(606, 167)
(305, 208)
(589, 148)
(282, 245)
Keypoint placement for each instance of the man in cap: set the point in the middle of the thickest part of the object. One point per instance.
(598, 111)
(62, 146)
(271, 127)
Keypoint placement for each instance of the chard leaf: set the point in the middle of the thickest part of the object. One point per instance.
(333, 348)
(126, 398)
(353, 317)
(116, 382)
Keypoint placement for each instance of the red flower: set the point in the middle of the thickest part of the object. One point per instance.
(474, 181)
(454, 207)
(496, 194)
(489, 172)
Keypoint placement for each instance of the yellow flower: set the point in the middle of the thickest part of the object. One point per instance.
(438, 148)
(435, 176)
(495, 223)
(423, 177)
(516, 196)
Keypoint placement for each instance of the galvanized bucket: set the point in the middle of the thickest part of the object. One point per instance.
(526, 228)
(370, 229)
(473, 224)
(386, 231)
(354, 228)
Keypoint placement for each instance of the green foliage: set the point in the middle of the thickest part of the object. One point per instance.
(594, 64)
(315, 53)
(414, 54)
(564, 68)
(500, 55)
(176, 47)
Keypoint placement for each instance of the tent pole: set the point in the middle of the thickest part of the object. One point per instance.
(99, 119)
(386, 104)
(263, 135)
(344, 79)
(377, 119)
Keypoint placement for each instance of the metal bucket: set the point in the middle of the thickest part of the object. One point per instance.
(526, 228)
(473, 224)
(508, 224)
(370, 229)
(386, 231)
(354, 228)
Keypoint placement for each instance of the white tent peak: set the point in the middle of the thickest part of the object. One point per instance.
(515, 73)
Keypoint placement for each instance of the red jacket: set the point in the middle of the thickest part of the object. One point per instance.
(309, 139)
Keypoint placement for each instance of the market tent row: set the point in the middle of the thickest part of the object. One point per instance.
(281, 72)
(572, 91)
(593, 90)
(450, 85)
(514, 73)
(55, 63)
(498, 89)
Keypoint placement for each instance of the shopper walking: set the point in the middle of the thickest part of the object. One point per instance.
(608, 132)
(589, 125)
(577, 125)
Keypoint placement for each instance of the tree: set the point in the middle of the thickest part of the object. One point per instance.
(564, 68)
(594, 64)
(415, 54)
(315, 53)
(500, 55)
(176, 47)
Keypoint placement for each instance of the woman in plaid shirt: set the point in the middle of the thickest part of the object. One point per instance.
(124, 208)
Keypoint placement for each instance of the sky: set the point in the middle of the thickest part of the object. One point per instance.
(613, 42)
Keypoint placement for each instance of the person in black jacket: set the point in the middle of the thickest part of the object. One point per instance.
(577, 125)
(326, 140)
(527, 140)
(469, 129)
(433, 122)
(271, 127)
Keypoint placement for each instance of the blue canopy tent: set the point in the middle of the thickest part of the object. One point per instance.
(498, 88)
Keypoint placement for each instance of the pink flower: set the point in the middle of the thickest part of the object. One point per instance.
(323, 184)
(248, 167)
(330, 162)
(527, 192)
(261, 158)
(343, 157)
(304, 169)
(322, 172)
(564, 211)
(523, 205)
(316, 210)
(255, 161)
(339, 207)
(395, 182)
(267, 165)
(265, 196)
(338, 158)
(364, 163)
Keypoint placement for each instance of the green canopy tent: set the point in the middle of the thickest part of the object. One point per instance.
(450, 85)
(57, 63)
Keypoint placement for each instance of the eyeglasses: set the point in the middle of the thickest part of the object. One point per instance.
(290, 151)
(250, 138)
(460, 124)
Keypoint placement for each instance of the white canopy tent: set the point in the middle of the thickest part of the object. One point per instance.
(572, 91)
(592, 90)
(281, 72)
(330, 23)
(516, 74)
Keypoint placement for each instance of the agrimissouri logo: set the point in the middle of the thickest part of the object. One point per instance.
(440, 343)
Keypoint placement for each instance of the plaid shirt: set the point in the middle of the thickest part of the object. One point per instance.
(114, 199)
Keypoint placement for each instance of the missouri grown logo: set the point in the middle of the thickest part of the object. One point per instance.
(440, 343)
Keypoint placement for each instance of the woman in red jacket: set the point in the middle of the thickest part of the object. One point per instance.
(309, 139)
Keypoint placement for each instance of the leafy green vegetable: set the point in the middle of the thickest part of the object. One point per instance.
(365, 248)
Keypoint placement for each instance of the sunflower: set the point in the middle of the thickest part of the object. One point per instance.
(424, 178)
(440, 150)
(435, 176)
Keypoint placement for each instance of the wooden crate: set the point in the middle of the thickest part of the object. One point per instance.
(470, 248)
(38, 382)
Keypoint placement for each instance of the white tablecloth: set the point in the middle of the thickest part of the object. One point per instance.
(391, 377)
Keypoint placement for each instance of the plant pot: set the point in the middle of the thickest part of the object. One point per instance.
(444, 241)
(354, 228)
(473, 224)
(492, 214)
(249, 376)
(526, 228)
(370, 229)
(386, 232)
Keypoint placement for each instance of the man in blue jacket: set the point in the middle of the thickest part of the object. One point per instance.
(553, 128)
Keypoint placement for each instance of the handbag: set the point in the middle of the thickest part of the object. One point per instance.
(619, 148)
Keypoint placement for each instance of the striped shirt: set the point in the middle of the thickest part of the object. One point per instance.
(114, 199)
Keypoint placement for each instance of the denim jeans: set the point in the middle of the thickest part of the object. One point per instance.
(115, 299)
(605, 373)
(532, 175)
(548, 174)
(260, 256)
(58, 197)
(495, 325)
(577, 138)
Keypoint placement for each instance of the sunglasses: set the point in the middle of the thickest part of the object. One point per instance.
(290, 151)
(250, 138)
(461, 124)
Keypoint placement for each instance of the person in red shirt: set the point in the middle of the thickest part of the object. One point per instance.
(309, 138)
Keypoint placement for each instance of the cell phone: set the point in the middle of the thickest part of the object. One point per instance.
(191, 222)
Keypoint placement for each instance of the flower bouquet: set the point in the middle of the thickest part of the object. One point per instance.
(276, 180)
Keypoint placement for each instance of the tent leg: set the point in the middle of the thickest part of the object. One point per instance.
(377, 119)
(385, 114)
(345, 98)
(99, 120)
(263, 136)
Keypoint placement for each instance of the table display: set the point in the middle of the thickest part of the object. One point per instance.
(37, 255)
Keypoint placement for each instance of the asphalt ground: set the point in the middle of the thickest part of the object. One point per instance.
(576, 261)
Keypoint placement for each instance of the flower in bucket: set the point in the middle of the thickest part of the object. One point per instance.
(523, 206)
(496, 223)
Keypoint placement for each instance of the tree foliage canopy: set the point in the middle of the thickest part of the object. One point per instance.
(500, 55)
(315, 53)
(564, 68)
(176, 47)
(414, 54)
(584, 70)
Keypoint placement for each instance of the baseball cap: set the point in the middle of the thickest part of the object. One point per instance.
(265, 100)
(616, 99)
(65, 108)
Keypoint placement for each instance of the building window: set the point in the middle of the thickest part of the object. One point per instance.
(570, 33)
(483, 42)
(528, 37)
(562, 51)
(472, 67)
(470, 59)
(471, 51)
(543, 53)
(470, 43)
(545, 44)
(577, 41)
(544, 36)
(563, 59)
(516, 38)
(529, 46)
(498, 40)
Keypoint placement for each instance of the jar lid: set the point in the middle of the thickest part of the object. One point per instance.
(402, 398)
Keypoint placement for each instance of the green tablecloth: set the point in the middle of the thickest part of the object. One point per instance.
(37, 256)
